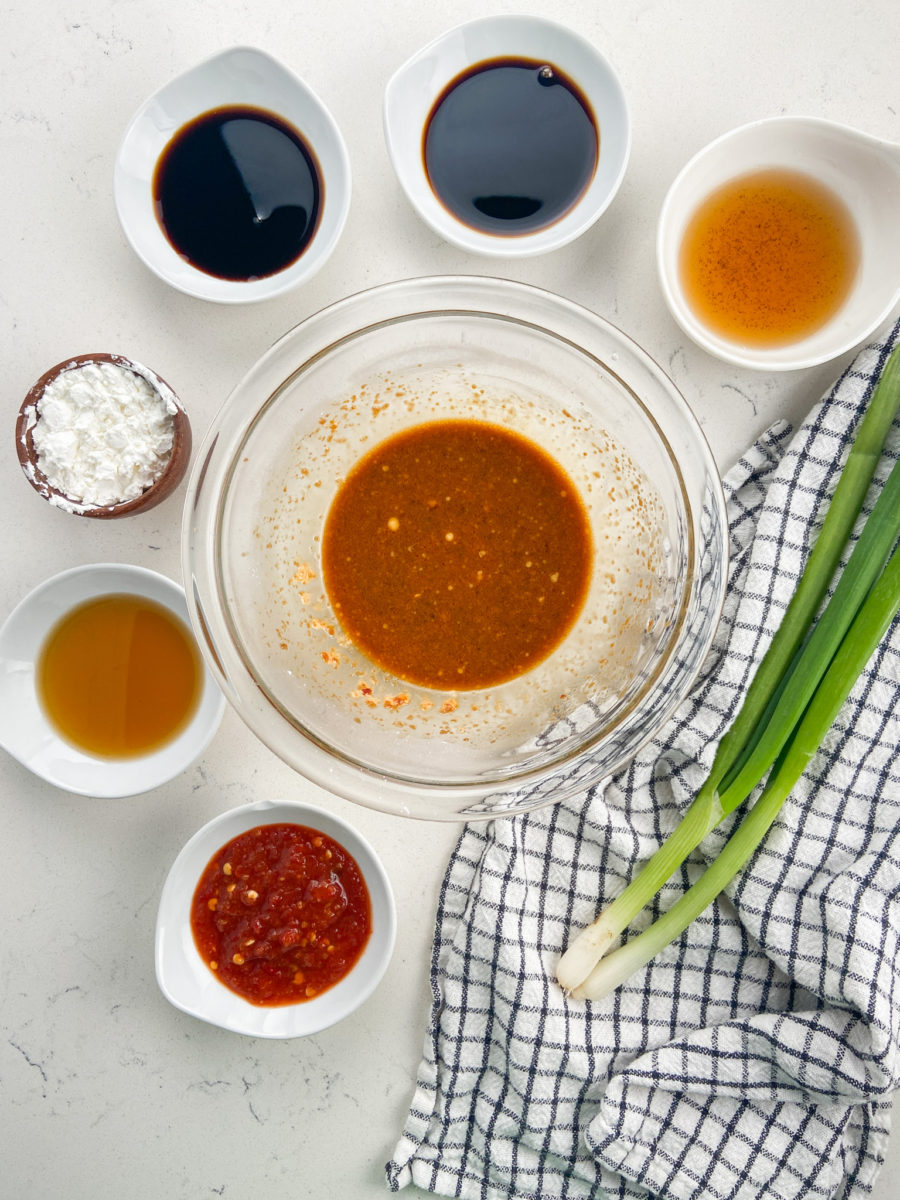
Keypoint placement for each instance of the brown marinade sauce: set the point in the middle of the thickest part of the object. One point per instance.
(457, 554)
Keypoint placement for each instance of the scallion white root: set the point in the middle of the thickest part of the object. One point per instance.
(592, 943)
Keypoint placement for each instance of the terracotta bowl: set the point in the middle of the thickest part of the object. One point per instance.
(165, 484)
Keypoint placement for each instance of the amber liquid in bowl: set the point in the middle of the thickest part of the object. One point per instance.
(119, 676)
(769, 258)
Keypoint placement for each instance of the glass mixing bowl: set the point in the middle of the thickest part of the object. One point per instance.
(454, 348)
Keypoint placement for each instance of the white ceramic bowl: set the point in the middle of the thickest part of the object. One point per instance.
(414, 88)
(25, 731)
(862, 170)
(187, 982)
(240, 76)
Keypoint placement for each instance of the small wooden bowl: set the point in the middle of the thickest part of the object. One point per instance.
(168, 481)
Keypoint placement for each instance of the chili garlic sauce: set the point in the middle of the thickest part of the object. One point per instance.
(611, 603)
(769, 257)
(281, 914)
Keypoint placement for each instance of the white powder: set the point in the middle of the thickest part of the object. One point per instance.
(103, 433)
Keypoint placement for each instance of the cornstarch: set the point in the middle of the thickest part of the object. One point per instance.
(103, 433)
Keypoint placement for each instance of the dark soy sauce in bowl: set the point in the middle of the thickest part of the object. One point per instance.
(238, 193)
(510, 146)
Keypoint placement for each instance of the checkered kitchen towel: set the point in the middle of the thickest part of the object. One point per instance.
(756, 1056)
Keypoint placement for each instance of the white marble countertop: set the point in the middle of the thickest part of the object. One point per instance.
(107, 1091)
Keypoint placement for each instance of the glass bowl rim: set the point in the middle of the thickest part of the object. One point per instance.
(308, 342)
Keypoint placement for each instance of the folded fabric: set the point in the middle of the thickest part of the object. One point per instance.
(755, 1057)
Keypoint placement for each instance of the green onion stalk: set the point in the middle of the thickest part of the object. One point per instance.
(794, 697)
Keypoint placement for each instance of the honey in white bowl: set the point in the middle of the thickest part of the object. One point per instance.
(119, 676)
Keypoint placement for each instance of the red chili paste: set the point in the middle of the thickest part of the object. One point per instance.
(281, 913)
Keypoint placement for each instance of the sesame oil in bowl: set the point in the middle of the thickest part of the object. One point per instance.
(778, 245)
(769, 257)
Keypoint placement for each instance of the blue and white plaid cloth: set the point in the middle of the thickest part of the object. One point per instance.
(756, 1056)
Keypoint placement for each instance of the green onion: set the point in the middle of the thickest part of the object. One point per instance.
(843, 510)
(788, 676)
(869, 555)
(867, 630)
